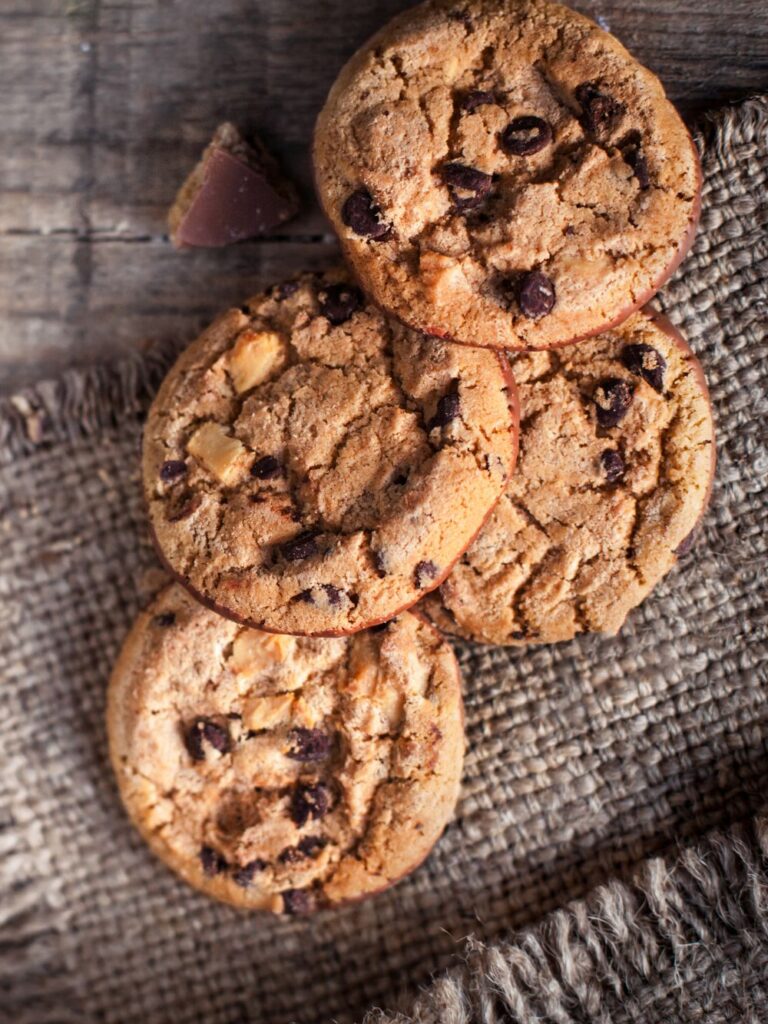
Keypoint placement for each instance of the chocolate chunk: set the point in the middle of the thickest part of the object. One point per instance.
(244, 876)
(424, 573)
(468, 187)
(213, 863)
(172, 470)
(361, 213)
(206, 730)
(685, 545)
(613, 465)
(266, 468)
(612, 398)
(477, 98)
(536, 295)
(309, 745)
(164, 619)
(182, 506)
(290, 855)
(646, 362)
(632, 153)
(338, 302)
(525, 136)
(600, 113)
(310, 846)
(310, 801)
(380, 563)
(235, 192)
(448, 408)
(300, 547)
(332, 593)
(297, 901)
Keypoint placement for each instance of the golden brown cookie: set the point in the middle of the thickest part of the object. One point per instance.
(504, 173)
(313, 467)
(285, 773)
(617, 456)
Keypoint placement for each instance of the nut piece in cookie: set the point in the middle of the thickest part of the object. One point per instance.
(284, 774)
(236, 191)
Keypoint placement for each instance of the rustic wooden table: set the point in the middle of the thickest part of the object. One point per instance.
(107, 103)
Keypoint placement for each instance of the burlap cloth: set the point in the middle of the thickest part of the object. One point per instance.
(583, 760)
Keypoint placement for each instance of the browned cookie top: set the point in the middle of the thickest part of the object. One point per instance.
(503, 172)
(283, 773)
(313, 467)
(615, 469)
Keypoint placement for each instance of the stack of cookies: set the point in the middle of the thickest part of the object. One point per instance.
(505, 181)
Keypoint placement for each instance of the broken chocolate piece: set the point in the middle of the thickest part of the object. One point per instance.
(477, 98)
(290, 855)
(632, 153)
(448, 408)
(183, 506)
(212, 861)
(266, 468)
(424, 573)
(612, 398)
(646, 362)
(244, 876)
(339, 301)
(467, 186)
(536, 295)
(164, 619)
(310, 801)
(309, 745)
(297, 901)
(300, 547)
(235, 192)
(310, 846)
(361, 213)
(172, 469)
(206, 730)
(613, 465)
(600, 113)
(525, 136)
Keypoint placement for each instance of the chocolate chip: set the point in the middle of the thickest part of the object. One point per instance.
(266, 468)
(338, 302)
(300, 547)
(536, 295)
(164, 619)
(612, 398)
(309, 745)
(297, 901)
(213, 863)
(206, 730)
(685, 545)
(244, 876)
(310, 846)
(286, 289)
(183, 506)
(400, 479)
(477, 98)
(613, 465)
(310, 801)
(290, 855)
(173, 469)
(632, 153)
(646, 362)
(380, 627)
(424, 573)
(361, 213)
(333, 594)
(448, 408)
(463, 179)
(525, 136)
(600, 113)
(380, 563)
(519, 634)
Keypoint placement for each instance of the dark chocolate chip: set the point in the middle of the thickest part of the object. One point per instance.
(536, 295)
(213, 863)
(424, 573)
(448, 408)
(164, 619)
(309, 745)
(600, 113)
(685, 545)
(361, 213)
(310, 846)
(525, 136)
(613, 465)
(333, 594)
(300, 547)
(612, 397)
(468, 186)
(172, 470)
(290, 855)
(183, 506)
(266, 468)
(338, 302)
(519, 634)
(204, 729)
(631, 149)
(286, 289)
(218, 737)
(310, 801)
(380, 563)
(400, 479)
(244, 876)
(646, 362)
(477, 98)
(297, 901)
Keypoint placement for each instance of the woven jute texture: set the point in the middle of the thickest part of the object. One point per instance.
(584, 759)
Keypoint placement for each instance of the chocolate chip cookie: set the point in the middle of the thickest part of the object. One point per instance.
(285, 773)
(616, 463)
(313, 467)
(504, 173)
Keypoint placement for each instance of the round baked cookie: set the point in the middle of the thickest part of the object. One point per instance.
(617, 456)
(285, 773)
(313, 467)
(504, 173)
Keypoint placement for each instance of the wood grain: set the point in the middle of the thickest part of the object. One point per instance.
(106, 105)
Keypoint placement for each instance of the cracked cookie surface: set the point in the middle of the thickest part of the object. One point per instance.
(313, 467)
(504, 173)
(616, 464)
(285, 773)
